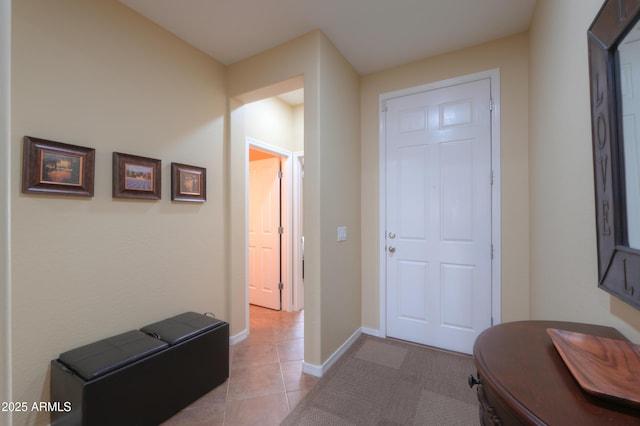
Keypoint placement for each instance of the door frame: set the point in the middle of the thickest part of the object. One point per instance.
(287, 254)
(298, 231)
(494, 76)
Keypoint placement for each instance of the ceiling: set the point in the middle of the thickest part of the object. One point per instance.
(372, 34)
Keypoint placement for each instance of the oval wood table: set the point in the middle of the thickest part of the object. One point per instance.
(521, 379)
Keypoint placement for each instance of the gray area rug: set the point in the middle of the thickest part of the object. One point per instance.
(388, 382)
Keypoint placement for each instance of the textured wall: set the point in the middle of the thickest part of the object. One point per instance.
(97, 74)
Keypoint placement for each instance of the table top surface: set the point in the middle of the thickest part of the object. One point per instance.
(520, 364)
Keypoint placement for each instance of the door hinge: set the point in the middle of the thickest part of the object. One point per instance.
(280, 286)
(491, 251)
(280, 230)
(491, 178)
(491, 321)
(279, 174)
(491, 104)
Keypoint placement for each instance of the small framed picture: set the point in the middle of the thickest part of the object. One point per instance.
(188, 183)
(50, 167)
(136, 177)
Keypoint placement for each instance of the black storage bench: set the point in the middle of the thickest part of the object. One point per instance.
(141, 377)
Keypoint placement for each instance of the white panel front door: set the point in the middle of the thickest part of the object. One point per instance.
(438, 215)
(264, 236)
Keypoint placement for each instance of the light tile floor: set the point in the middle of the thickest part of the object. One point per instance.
(265, 380)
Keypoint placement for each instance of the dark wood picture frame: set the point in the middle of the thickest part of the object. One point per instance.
(618, 264)
(136, 177)
(56, 168)
(188, 183)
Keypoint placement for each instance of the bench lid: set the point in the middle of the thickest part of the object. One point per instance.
(181, 327)
(99, 358)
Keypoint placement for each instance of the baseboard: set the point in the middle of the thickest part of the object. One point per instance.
(237, 338)
(319, 370)
(312, 369)
(372, 332)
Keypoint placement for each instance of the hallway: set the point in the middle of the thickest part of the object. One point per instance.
(266, 380)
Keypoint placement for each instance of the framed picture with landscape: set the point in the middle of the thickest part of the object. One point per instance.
(136, 177)
(57, 168)
(188, 183)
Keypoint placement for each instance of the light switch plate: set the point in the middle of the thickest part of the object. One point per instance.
(342, 233)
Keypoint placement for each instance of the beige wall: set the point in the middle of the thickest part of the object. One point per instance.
(275, 123)
(563, 239)
(339, 161)
(331, 136)
(97, 74)
(298, 128)
(5, 190)
(510, 55)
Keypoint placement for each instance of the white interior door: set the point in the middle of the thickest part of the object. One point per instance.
(438, 213)
(264, 235)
